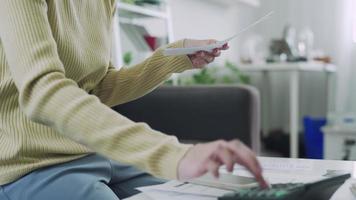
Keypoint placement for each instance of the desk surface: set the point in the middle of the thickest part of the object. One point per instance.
(304, 166)
(285, 66)
(311, 165)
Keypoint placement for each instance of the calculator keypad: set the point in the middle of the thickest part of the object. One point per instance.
(288, 191)
(277, 191)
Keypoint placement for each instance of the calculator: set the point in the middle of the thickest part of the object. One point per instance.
(290, 191)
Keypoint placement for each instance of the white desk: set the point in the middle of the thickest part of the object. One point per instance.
(301, 167)
(294, 70)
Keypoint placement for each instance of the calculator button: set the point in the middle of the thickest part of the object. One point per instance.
(262, 193)
(251, 194)
(271, 192)
(242, 193)
(280, 193)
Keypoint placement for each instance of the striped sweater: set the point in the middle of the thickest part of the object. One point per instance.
(57, 85)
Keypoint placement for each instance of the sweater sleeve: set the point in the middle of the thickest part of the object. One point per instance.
(48, 97)
(127, 84)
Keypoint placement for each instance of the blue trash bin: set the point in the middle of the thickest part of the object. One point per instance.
(313, 137)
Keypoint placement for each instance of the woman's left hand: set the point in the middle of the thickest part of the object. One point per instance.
(202, 58)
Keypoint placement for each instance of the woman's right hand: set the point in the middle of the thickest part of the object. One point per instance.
(208, 157)
(201, 59)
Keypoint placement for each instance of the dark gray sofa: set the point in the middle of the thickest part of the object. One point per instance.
(200, 113)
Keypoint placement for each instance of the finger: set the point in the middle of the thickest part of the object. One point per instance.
(248, 162)
(241, 149)
(213, 167)
(225, 46)
(247, 158)
(227, 157)
(199, 62)
(205, 54)
(209, 58)
(216, 52)
(200, 53)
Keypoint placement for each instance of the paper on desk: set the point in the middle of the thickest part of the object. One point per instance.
(186, 188)
(285, 165)
(284, 171)
(288, 165)
(175, 190)
(219, 44)
(140, 196)
(164, 195)
(344, 192)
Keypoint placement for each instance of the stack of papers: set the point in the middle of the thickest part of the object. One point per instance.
(175, 190)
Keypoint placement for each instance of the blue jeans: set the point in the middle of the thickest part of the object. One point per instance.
(89, 178)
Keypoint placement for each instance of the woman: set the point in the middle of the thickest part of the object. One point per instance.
(59, 138)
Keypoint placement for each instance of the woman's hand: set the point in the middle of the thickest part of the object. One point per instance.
(202, 58)
(203, 158)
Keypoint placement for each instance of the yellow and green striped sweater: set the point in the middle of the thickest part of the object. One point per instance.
(57, 86)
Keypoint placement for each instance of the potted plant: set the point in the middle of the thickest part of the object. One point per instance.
(214, 75)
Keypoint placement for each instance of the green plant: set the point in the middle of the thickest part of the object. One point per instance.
(129, 1)
(127, 58)
(243, 78)
(227, 74)
(204, 77)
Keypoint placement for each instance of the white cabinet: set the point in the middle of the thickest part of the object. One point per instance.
(339, 143)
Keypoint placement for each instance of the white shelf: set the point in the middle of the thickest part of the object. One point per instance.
(129, 10)
(136, 15)
(298, 66)
(254, 3)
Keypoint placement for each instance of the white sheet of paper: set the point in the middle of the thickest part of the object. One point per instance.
(219, 44)
(140, 196)
(282, 166)
(344, 192)
(186, 188)
(164, 195)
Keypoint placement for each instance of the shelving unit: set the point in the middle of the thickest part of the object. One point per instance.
(128, 13)
(129, 10)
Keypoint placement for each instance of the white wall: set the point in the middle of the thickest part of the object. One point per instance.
(313, 91)
(201, 19)
(351, 92)
(328, 19)
(331, 23)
